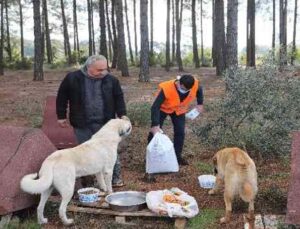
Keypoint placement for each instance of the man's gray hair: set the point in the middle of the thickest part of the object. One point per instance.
(92, 59)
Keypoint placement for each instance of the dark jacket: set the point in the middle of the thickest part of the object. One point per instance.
(72, 92)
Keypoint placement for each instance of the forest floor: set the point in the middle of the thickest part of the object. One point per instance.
(21, 104)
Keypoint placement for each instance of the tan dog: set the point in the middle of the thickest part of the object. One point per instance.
(59, 170)
(237, 170)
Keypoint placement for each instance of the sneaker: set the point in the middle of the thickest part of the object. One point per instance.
(183, 162)
(119, 184)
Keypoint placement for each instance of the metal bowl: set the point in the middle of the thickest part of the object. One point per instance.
(127, 201)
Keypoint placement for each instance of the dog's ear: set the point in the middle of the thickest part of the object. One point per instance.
(124, 117)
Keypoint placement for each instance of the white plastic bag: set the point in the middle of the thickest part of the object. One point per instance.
(160, 156)
(155, 202)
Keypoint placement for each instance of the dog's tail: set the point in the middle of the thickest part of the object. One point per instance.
(31, 184)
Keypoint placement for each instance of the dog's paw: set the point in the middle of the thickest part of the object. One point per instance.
(43, 221)
(68, 222)
(224, 220)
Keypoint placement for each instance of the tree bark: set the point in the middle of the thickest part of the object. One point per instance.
(75, 26)
(274, 26)
(103, 44)
(66, 33)
(7, 32)
(47, 33)
(128, 34)
(201, 32)
(282, 33)
(89, 9)
(173, 32)
(115, 43)
(168, 37)
(38, 57)
(122, 60)
(151, 27)
(2, 41)
(144, 61)
(135, 32)
(220, 37)
(251, 33)
(232, 34)
(110, 39)
(21, 29)
(194, 31)
(178, 37)
(294, 33)
(213, 48)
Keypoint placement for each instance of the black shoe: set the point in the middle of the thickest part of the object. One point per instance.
(183, 162)
(149, 178)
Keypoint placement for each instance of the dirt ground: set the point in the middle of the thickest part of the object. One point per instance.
(21, 104)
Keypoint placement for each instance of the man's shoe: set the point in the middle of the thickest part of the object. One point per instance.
(118, 184)
(183, 162)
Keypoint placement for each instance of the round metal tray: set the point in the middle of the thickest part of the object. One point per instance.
(127, 201)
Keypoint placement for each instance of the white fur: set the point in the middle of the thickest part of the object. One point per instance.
(60, 169)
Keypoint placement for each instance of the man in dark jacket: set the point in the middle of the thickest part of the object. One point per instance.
(94, 96)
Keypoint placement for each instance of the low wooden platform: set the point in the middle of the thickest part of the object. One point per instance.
(102, 208)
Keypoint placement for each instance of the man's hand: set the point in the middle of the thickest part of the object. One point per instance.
(63, 123)
(200, 108)
(155, 129)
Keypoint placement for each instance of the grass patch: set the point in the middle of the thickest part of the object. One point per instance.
(139, 113)
(208, 218)
(26, 224)
(204, 168)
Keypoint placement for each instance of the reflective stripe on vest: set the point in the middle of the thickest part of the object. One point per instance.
(172, 100)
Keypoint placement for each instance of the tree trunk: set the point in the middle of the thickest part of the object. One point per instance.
(89, 9)
(213, 48)
(144, 61)
(168, 37)
(173, 32)
(75, 26)
(274, 26)
(38, 57)
(122, 60)
(294, 34)
(21, 29)
(194, 29)
(232, 34)
(115, 43)
(151, 27)
(110, 40)
(201, 33)
(2, 41)
(220, 37)
(128, 34)
(282, 33)
(251, 33)
(93, 28)
(7, 32)
(66, 33)
(47, 33)
(135, 32)
(103, 45)
(178, 38)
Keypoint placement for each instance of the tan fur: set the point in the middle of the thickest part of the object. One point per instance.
(238, 173)
(95, 156)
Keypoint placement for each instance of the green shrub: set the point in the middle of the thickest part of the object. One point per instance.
(139, 113)
(259, 110)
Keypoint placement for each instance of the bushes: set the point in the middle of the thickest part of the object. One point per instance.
(139, 113)
(259, 110)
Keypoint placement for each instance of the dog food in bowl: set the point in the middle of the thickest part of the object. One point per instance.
(88, 195)
(207, 181)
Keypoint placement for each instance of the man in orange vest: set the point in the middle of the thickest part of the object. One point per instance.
(173, 99)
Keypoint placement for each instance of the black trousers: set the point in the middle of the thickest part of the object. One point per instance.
(179, 131)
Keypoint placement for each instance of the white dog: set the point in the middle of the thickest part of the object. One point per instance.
(59, 170)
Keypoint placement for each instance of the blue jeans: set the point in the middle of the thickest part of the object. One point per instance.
(84, 134)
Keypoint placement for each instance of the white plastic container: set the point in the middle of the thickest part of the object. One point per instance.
(192, 114)
(207, 181)
(88, 195)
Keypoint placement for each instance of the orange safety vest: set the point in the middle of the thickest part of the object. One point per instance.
(172, 100)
